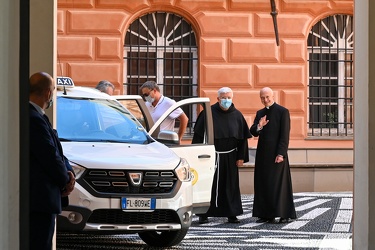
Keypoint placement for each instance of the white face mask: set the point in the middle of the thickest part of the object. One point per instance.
(149, 99)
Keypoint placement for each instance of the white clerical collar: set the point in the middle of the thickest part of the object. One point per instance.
(268, 107)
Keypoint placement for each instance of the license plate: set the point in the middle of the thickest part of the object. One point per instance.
(138, 203)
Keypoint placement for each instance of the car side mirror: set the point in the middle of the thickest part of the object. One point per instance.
(168, 137)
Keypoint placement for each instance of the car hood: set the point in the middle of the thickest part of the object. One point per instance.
(99, 155)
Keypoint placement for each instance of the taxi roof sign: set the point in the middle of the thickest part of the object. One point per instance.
(64, 81)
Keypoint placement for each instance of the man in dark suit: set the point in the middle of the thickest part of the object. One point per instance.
(51, 176)
(273, 193)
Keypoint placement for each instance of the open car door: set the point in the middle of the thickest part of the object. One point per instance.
(201, 157)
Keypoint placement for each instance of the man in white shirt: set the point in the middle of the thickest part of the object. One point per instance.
(157, 104)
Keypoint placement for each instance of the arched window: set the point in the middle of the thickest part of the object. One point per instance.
(330, 88)
(162, 47)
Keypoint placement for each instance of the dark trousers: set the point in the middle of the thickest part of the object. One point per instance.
(42, 227)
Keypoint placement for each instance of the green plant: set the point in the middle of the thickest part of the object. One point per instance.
(331, 118)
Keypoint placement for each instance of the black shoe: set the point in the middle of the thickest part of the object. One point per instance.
(273, 221)
(284, 220)
(203, 220)
(268, 220)
(233, 219)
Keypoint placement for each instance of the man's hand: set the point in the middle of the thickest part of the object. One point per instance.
(239, 163)
(70, 186)
(263, 121)
(279, 159)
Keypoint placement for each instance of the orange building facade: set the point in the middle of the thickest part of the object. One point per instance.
(235, 47)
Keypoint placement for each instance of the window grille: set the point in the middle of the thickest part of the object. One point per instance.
(330, 87)
(161, 47)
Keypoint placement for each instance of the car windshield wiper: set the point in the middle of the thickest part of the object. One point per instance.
(124, 141)
(104, 140)
(64, 139)
(109, 140)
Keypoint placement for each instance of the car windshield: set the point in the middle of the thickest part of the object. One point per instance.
(97, 120)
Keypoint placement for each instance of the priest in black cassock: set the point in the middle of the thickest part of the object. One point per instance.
(273, 194)
(231, 133)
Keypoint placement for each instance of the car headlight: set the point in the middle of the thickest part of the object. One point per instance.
(183, 170)
(78, 170)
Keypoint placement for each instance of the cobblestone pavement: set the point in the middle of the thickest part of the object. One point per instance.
(324, 222)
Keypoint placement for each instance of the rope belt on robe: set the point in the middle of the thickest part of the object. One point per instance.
(217, 166)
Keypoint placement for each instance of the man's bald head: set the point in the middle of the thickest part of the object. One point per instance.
(41, 89)
(266, 90)
(39, 83)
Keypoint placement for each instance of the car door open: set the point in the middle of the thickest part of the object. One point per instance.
(201, 157)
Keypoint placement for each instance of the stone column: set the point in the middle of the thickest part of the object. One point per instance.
(43, 40)
(364, 125)
(9, 125)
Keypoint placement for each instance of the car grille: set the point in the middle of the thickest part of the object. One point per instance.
(117, 216)
(121, 182)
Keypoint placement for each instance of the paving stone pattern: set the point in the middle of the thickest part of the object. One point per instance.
(324, 222)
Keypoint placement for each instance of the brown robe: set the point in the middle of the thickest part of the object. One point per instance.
(231, 133)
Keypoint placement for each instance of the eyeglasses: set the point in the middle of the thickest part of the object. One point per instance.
(146, 94)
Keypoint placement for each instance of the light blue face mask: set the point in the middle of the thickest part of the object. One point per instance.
(50, 102)
(226, 103)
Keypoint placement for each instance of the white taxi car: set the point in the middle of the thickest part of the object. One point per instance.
(127, 181)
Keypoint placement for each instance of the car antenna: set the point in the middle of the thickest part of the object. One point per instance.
(58, 58)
